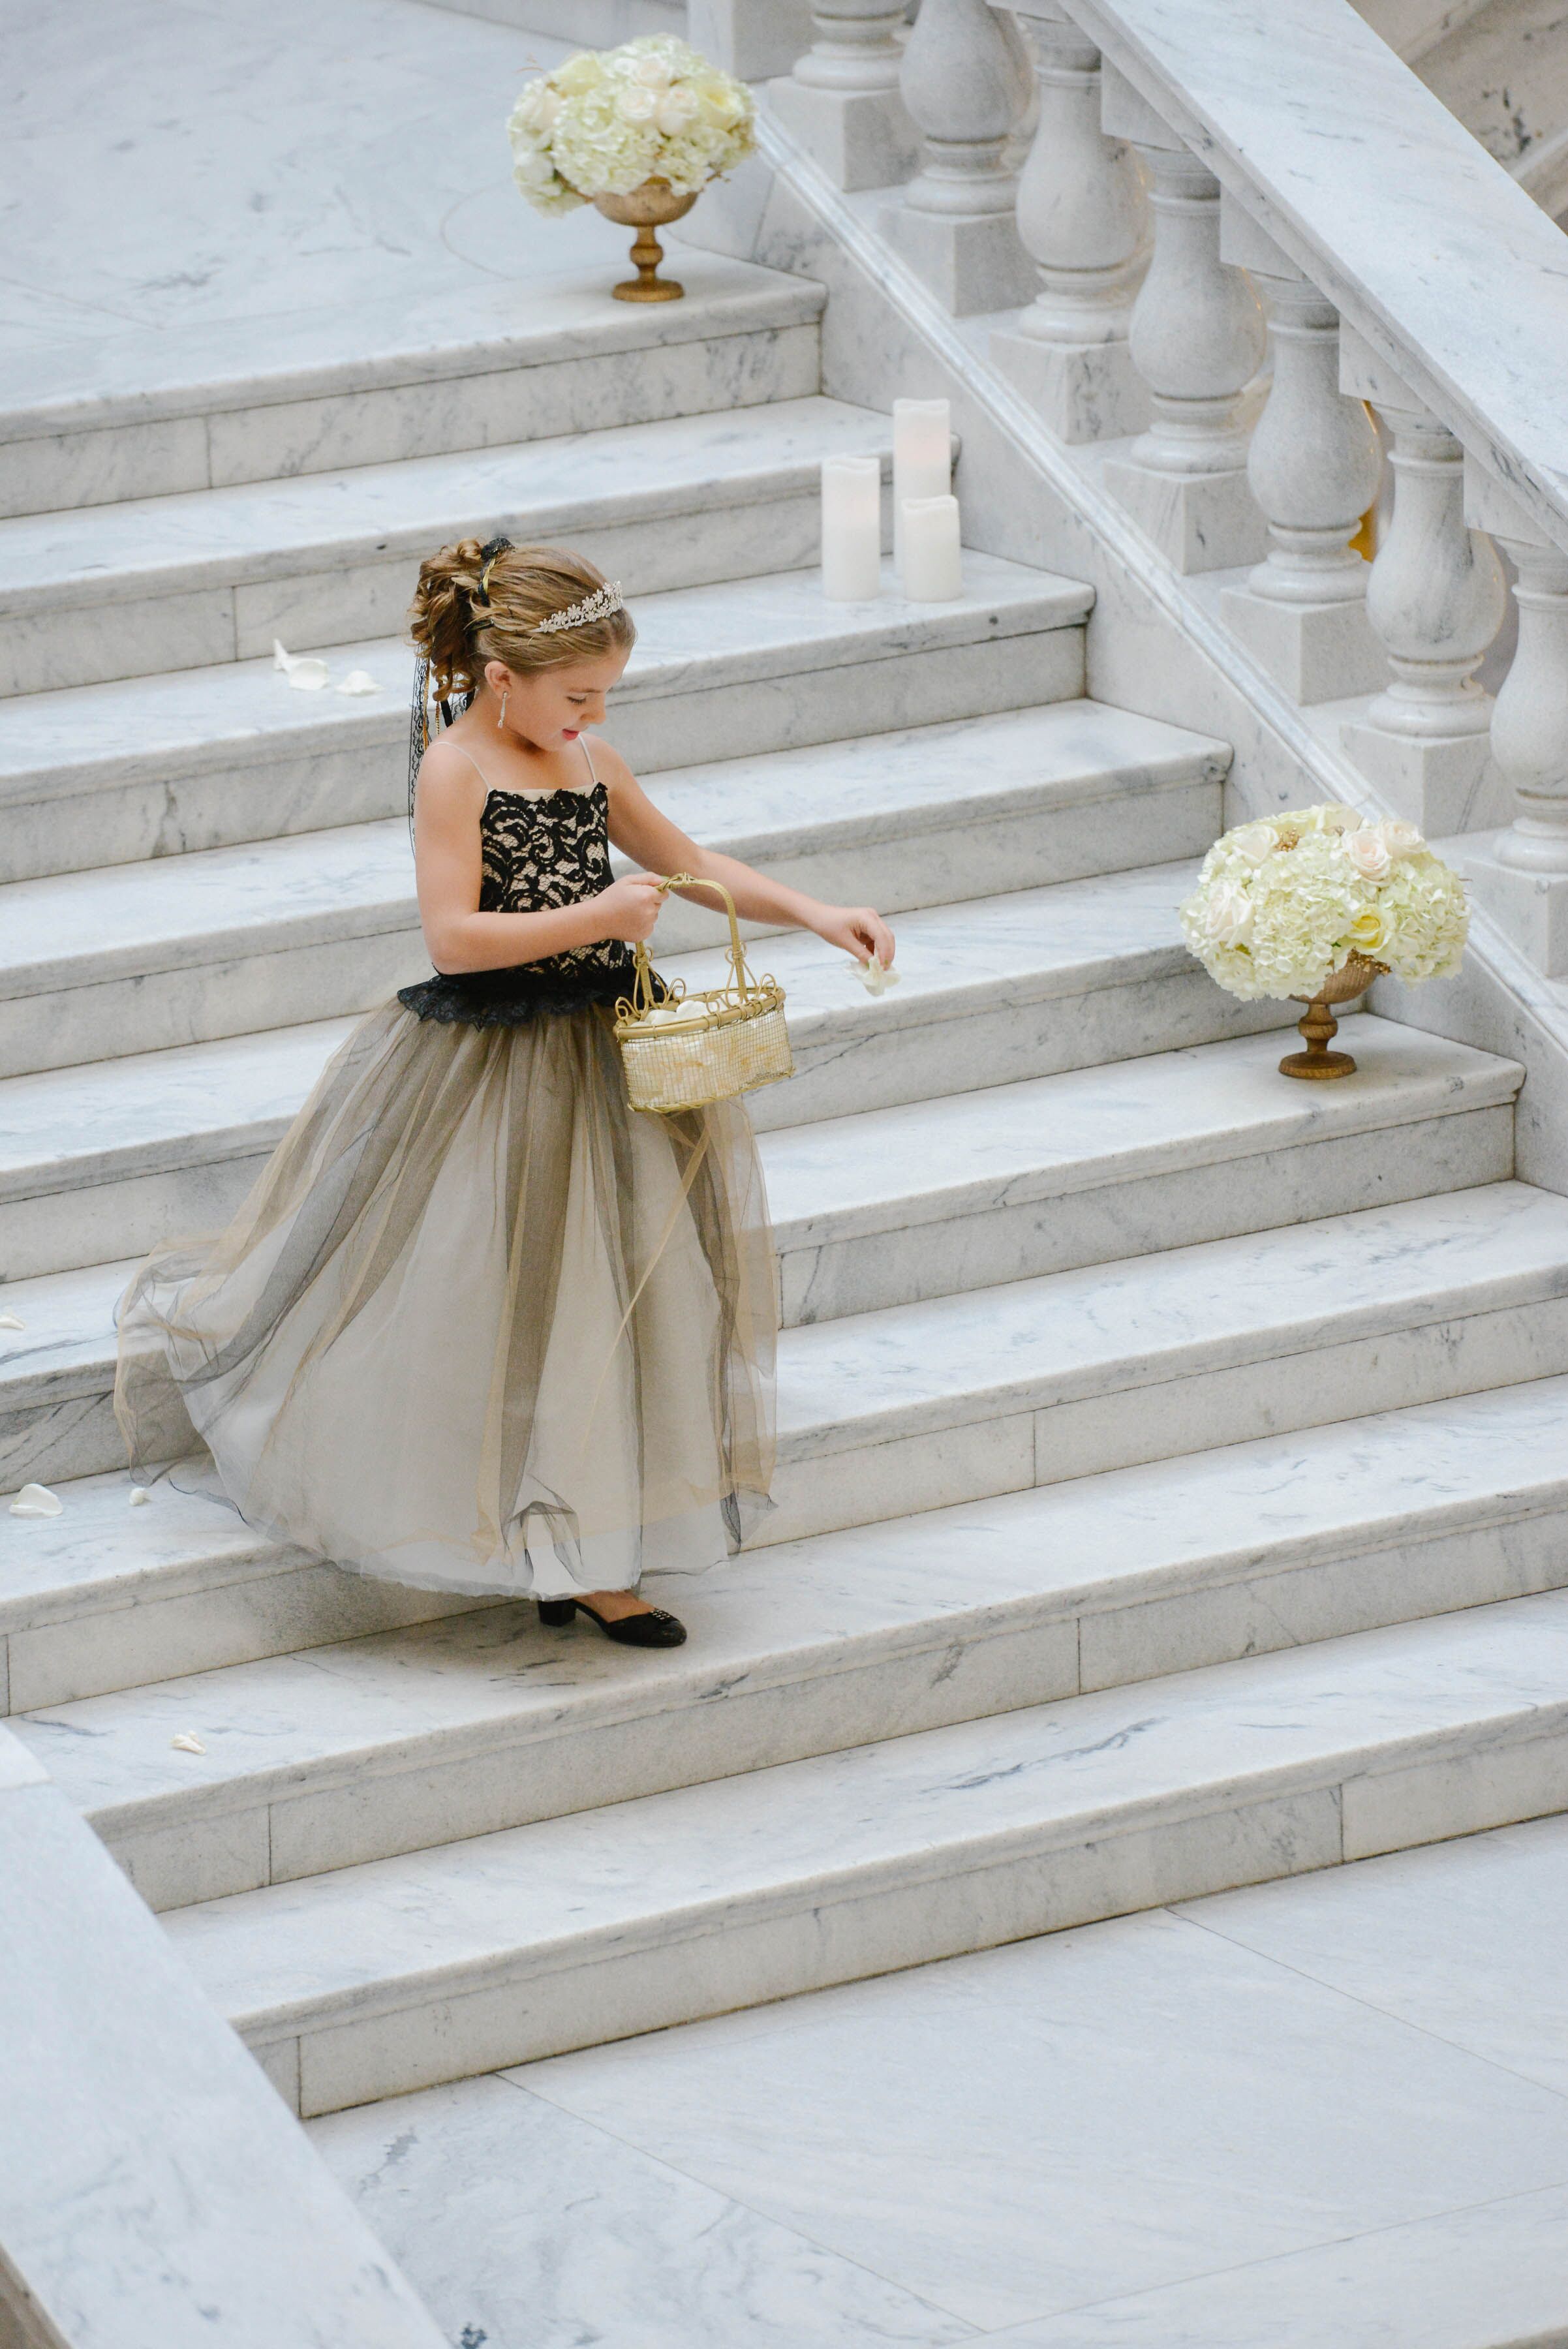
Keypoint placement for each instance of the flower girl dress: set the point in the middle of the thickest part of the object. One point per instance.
(480, 1326)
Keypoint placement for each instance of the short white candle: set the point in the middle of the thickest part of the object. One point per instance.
(922, 457)
(851, 529)
(933, 565)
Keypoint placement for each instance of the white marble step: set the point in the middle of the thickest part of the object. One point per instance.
(387, 1977)
(100, 962)
(147, 414)
(383, 1745)
(879, 1208)
(98, 1159)
(150, 767)
(215, 576)
(1039, 1380)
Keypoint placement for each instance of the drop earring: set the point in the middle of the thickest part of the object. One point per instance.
(501, 719)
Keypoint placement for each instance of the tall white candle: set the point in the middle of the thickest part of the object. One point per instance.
(933, 565)
(922, 457)
(851, 529)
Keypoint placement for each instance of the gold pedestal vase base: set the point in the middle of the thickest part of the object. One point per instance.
(653, 205)
(1318, 1025)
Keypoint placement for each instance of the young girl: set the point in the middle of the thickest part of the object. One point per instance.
(480, 1326)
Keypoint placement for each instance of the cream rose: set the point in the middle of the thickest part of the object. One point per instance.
(1369, 853)
(1253, 842)
(677, 110)
(1228, 915)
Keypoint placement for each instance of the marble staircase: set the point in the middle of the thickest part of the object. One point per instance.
(1171, 1492)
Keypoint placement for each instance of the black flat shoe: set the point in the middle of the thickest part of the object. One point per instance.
(654, 1629)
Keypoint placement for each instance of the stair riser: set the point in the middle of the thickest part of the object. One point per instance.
(742, 1954)
(864, 1272)
(276, 440)
(203, 1846)
(146, 629)
(283, 984)
(355, 772)
(820, 1491)
(821, 1281)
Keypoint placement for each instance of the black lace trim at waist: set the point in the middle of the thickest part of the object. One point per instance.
(508, 999)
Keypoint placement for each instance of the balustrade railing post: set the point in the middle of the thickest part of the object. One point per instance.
(1083, 220)
(754, 38)
(1196, 340)
(1313, 464)
(843, 101)
(1436, 601)
(956, 225)
(1521, 874)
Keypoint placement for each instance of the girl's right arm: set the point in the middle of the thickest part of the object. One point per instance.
(448, 870)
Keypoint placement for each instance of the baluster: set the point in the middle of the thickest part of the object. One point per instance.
(1196, 340)
(1314, 465)
(1083, 220)
(956, 224)
(753, 38)
(1434, 600)
(843, 101)
(1523, 875)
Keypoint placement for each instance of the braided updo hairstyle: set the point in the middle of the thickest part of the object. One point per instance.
(460, 619)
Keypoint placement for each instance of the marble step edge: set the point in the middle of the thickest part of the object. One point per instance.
(74, 740)
(266, 896)
(799, 1680)
(206, 541)
(1413, 1078)
(388, 345)
(101, 1565)
(705, 1898)
(872, 1380)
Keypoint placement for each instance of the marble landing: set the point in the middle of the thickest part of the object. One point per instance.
(365, 1749)
(407, 1971)
(1190, 2129)
(150, 767)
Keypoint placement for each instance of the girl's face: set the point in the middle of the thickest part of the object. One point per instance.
(551, 707)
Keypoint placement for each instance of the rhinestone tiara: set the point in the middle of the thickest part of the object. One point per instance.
(597, 606)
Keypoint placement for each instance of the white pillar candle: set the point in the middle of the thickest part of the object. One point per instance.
(851, 529)
(933, 567)
(922, 457)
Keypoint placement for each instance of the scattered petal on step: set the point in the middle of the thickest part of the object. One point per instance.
(359, 680)
(305, 673)
(12, 1322)
(876, 977)
(38, 1501)
(140, 1496)
(186, 1743)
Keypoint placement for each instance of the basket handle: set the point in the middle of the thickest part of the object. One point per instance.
(642, 993)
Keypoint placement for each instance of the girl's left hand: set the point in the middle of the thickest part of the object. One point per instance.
(859, 930)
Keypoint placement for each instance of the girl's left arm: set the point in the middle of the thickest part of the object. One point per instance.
(640, 830)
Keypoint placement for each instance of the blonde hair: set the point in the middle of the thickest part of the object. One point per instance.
(476, 604)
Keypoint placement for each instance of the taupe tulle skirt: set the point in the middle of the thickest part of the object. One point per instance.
(480, 1326)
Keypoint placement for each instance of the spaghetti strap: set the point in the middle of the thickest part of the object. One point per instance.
(588, 755)
(477, 769)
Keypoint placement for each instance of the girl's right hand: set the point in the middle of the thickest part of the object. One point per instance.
(629, 908)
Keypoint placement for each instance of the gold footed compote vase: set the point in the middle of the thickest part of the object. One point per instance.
(653, 205)
(1318, 1025)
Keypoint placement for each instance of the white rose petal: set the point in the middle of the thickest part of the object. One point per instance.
(305, 674)
(38, 1501)
(186, 1743)
(12, 1322)
(875, 977)
(140, 1496)
(358, 680)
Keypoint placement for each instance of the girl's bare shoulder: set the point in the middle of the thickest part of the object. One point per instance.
(448, 782)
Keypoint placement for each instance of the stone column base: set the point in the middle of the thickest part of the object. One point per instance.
(1531, 908)
(860, 138)
(1084, 391)
(1443, 783)
(1318, 652)
(970, 262)
(1199, 522)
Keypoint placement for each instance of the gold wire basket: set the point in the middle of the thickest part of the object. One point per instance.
(690, 1050)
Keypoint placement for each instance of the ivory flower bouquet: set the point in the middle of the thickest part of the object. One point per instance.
(1315, 905)
(608, 122)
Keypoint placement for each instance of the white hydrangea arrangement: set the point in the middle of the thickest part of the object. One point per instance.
(607, 119)
(1282, 903)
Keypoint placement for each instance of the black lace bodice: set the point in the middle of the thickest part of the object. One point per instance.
(541, 850)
